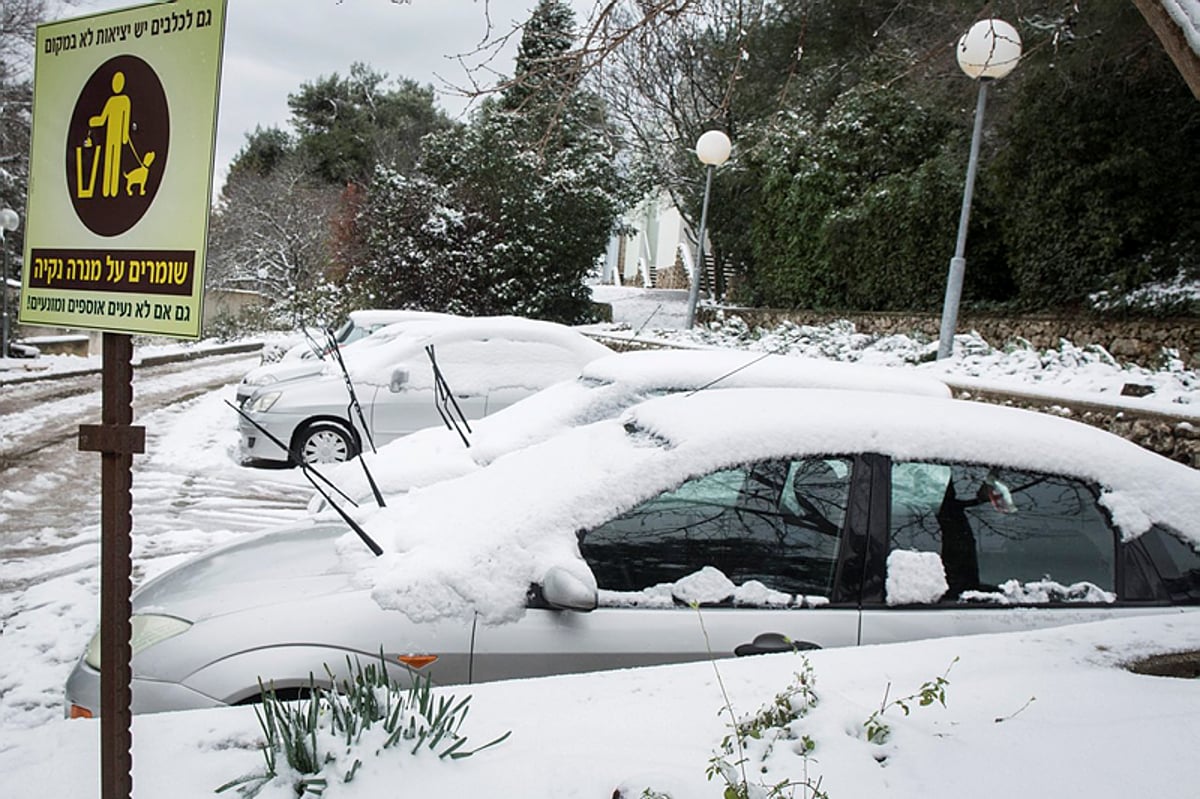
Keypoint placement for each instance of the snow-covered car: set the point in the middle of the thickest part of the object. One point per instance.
(779, 518)
(485, 364)
(308, 357)
(604, 388)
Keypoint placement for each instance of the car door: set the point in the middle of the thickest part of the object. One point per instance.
(974, 548)
(742, 561)
(412, 404)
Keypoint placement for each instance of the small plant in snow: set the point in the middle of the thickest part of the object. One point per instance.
(329, 731)
(754, 737)
(934, 690)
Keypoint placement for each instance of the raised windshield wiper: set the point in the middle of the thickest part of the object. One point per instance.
(312, 475)
(444, 401)
(357, 411)
(317, 349)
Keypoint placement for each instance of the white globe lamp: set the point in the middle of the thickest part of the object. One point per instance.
(989, 50)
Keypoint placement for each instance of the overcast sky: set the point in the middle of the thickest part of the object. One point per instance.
(272, 46)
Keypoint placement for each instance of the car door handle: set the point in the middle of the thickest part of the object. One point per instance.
(768, 643)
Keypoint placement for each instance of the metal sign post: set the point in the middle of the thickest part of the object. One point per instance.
(117, 441)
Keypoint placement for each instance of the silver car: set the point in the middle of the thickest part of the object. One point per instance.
(308, 358)
(788, 518)
(487, 363)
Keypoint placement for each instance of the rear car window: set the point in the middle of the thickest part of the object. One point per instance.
(1005, 535)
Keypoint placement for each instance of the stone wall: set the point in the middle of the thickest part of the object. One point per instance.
(1139, 341)
(1173, 437)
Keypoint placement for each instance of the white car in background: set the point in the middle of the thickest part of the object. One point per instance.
(307, 358)
(781, 518)
(486, 363)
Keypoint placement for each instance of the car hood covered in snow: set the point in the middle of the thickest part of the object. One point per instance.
(280, 566)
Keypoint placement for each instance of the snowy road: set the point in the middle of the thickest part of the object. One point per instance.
(189, 494)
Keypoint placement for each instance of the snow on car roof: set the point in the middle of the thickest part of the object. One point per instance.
(378, 316)
(605, 387)
(1142, 487)
(372, 358)
(692, 369)
(474, 544)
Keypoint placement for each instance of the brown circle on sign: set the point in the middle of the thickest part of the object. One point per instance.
(116, 149)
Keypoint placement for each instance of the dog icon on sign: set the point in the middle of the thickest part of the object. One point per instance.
(139, 175)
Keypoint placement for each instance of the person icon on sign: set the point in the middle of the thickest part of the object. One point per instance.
(115, 119)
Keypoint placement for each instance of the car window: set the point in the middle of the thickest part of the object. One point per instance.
(777, 523)
(477, 366)
(1005, 535)
(1177, 562)
(342, 334)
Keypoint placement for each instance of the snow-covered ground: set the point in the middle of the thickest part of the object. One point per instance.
(1042, 714)
(1038, 713)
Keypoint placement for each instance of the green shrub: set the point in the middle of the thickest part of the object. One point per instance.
(329, 732)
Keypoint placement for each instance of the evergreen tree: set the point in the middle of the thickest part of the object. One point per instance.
(347, 126)
(265, 150)
(528, 197)
(544, 72)
(421, 250)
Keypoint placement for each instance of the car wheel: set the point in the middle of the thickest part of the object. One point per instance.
(324, 442)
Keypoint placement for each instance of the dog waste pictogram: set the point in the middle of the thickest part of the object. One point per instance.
(117, 145)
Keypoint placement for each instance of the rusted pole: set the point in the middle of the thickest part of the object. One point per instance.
(117, 441)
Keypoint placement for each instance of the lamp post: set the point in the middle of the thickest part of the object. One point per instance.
(8, 221)
(986, 52)
(712, 148)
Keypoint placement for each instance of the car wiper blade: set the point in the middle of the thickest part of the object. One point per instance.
(446, 404)
(312, 475)
(357, 410)
(317, 349)
(354, 406)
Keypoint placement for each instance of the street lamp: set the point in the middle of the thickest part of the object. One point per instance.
(8, 221)
(986, 52)
(712, 148)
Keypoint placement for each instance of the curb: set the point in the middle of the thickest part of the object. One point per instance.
(149, 360)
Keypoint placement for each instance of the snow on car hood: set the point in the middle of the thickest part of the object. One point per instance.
(474, 544)
(302, 563)
(283, 370)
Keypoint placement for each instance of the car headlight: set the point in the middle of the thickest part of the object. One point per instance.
(148, 630)
(260, 380)
(261, 403)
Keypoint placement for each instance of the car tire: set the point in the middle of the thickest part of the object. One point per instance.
(324, 442)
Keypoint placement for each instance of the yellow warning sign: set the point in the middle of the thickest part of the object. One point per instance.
(124, 127)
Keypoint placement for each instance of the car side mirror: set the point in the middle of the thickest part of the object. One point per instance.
(565, 590)
(399, 379)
